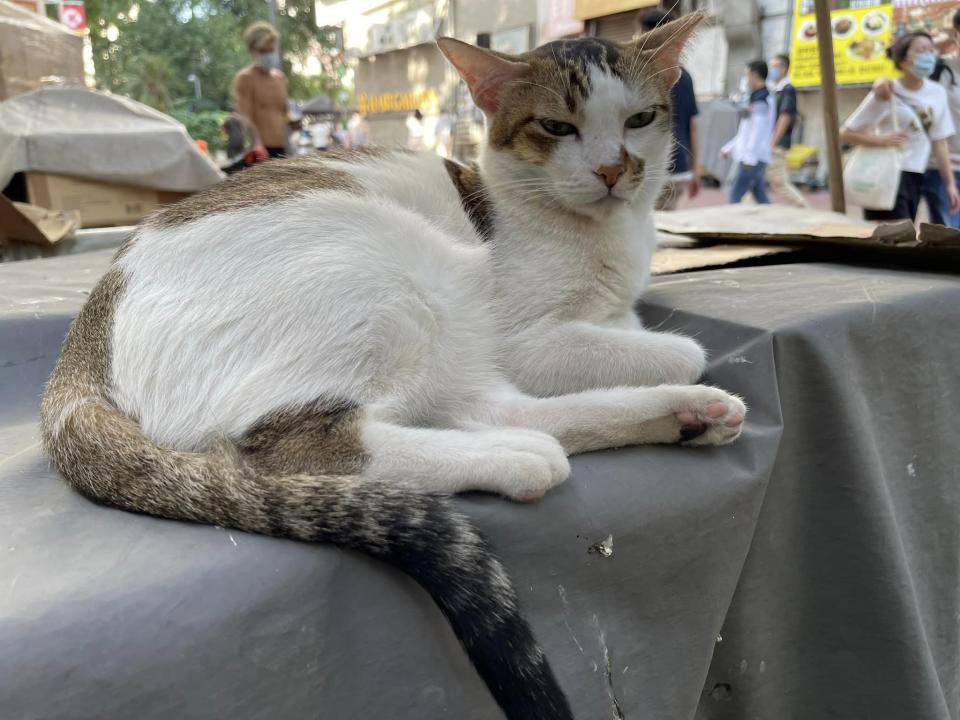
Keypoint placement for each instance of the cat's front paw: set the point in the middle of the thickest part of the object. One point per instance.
(710, 416)
(678, 359)
(531, 463)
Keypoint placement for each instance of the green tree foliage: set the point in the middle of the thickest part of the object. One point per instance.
(153, 82)
(203, 125)
(147, 48)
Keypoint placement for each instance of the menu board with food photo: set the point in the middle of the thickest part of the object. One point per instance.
(861, 33)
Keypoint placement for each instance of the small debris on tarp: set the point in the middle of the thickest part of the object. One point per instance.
(604, 547)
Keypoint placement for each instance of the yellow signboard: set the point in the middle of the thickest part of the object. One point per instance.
(861, 34)
(397, 102)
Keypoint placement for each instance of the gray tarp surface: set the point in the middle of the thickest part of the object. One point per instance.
(110, 138)
(824, 546)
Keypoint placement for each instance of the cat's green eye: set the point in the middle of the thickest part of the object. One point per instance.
(641, 119)
(558, 128)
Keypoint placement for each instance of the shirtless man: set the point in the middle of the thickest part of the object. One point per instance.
(260, 90)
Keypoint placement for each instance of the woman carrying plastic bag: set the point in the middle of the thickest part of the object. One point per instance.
(915, 124)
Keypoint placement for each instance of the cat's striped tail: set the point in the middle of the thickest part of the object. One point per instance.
(104, 454)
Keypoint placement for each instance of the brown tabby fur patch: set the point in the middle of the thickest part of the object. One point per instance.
(473, 196)
(317, 439)
(263, 184)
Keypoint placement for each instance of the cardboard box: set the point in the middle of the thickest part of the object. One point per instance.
(100, 204)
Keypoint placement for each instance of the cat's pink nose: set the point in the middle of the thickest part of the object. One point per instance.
(610, 173)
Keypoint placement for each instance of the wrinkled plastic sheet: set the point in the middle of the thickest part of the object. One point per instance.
(808, 571)
(108, 138)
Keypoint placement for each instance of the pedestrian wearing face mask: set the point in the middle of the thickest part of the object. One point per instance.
(923, 116)
(947, 73)
(260, 89)
(786, 100)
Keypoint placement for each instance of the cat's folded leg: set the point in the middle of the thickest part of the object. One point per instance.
(517, 462)
(553, 358)
(598, 419)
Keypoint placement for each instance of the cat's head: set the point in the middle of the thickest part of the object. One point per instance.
(582, 125)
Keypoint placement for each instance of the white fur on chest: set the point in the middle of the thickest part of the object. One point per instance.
(546, 268)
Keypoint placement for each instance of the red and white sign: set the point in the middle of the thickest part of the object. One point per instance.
(74, 17)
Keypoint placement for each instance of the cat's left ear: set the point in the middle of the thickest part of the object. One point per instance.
(659, 49)
(485, 72)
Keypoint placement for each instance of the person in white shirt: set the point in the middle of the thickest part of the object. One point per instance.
(924, 121)
(947, 73)
(359, 131)
(751, 146)
(415, 131)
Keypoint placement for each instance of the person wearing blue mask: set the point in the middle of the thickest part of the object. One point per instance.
(778, 173)
(947, 73)
(924, 121)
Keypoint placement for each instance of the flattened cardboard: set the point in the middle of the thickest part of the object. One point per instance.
(784, 224)
(667, 260)
(29, 223)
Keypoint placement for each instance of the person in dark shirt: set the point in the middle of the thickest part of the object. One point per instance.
(778, 174)
(684, 170)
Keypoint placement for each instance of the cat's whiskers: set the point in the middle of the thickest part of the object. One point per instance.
(640, 52)
(564, 79)
(683, 24)
(664, 70)
(528, 183)
(544, 87)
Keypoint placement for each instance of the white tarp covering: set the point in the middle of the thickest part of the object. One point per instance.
(72, 131)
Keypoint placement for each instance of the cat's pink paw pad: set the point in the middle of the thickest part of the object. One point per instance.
(735, 420)
(532, 497)
(717, 409)
(716, 419)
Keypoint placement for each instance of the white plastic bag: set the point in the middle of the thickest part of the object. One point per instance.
(872, 175)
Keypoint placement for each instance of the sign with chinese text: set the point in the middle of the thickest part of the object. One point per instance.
(861, 33)
(396, 102)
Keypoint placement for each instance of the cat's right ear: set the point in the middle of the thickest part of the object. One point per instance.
(484, 72)
(659, 50)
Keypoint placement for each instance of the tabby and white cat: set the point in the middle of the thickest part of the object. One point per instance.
(322, 349)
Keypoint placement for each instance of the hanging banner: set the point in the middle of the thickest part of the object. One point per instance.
(861, 33)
